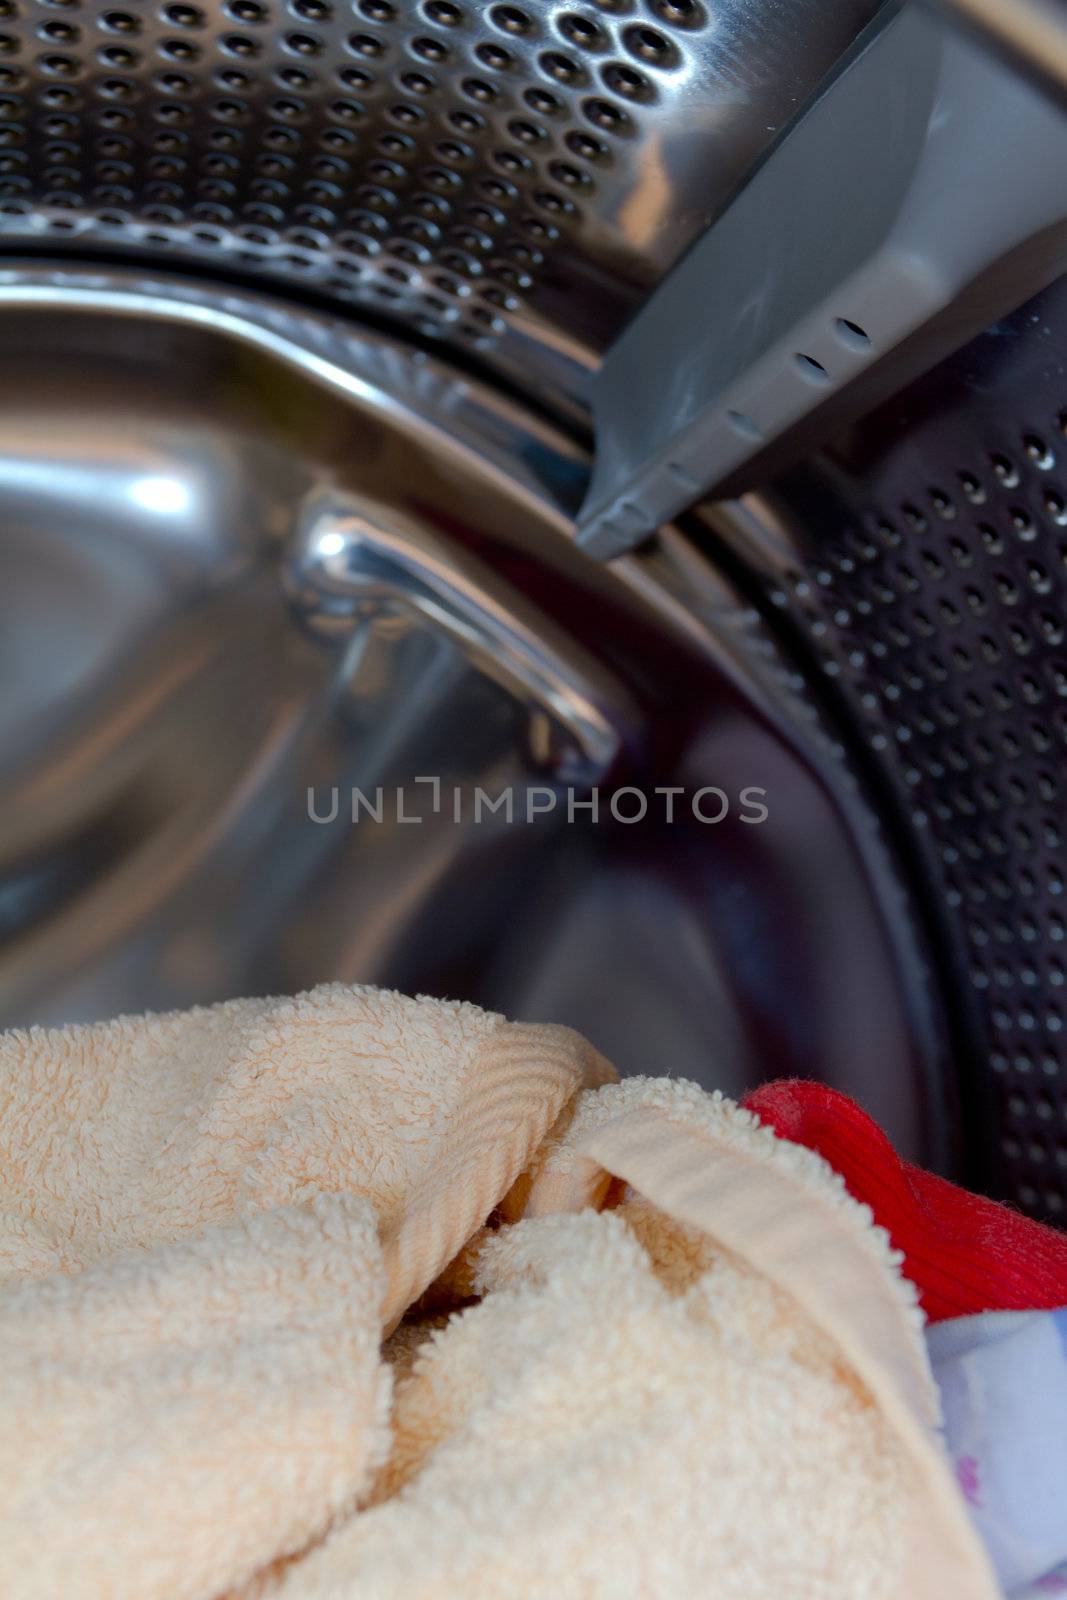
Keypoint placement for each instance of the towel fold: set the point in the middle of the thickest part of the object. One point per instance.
(355, 1297)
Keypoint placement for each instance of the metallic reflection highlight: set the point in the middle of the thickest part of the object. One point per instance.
(247, 551)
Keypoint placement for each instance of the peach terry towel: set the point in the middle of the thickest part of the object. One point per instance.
(357, 1297)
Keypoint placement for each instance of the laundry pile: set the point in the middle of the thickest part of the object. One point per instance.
(358, 1297)
(993, 1286)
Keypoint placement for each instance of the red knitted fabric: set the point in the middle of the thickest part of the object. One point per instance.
(963, 1253)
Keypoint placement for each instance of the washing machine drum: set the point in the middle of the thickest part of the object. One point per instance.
(479, 513)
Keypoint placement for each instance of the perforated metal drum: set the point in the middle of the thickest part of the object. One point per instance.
(310, 316)
(510, 178)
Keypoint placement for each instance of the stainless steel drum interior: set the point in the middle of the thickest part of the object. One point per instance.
(303, 311)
